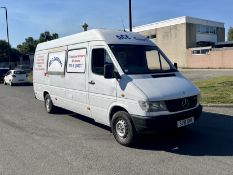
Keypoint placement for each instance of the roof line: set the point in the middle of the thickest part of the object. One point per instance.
(175, 21)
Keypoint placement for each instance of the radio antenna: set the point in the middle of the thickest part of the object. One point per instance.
(123, 23)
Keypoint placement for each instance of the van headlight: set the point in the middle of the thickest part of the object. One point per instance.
(153, 106)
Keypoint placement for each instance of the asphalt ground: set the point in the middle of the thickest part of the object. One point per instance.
(34, 142)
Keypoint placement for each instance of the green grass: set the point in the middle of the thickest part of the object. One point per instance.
(218, 90)
(30, 77)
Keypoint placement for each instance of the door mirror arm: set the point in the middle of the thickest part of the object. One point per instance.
(109, 72)
(116, 75)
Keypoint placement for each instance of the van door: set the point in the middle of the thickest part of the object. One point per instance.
(76, 79)
(102, 92)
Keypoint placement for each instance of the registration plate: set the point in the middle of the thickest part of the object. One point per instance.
(185, 122)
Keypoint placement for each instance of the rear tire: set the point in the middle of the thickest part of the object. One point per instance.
(49, 106)
(123, 128)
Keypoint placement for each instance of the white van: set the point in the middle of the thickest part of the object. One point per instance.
(120, 79)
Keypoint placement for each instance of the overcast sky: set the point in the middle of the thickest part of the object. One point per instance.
(65, 17)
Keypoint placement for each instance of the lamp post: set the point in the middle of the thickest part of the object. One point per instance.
(130, 16)
(7, 36)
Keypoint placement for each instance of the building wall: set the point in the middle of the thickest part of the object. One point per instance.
(172, 40)
(221, 34)
(221, 58)
(191, 35)
(176, 36)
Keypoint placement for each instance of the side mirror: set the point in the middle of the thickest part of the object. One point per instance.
(108, 71)
(176, 65)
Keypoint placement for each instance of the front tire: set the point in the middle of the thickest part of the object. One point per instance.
(123, 128)
(49, 106)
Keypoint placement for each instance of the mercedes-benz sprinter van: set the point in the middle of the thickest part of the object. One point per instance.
(120, 79)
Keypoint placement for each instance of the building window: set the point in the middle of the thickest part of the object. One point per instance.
(196, 52)
(151, 36)
(201, 51)
(213, 30)
(206, 29)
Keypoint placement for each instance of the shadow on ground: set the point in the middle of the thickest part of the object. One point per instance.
(19, 85)
(212, 135)
(61, 111)
(24, 84)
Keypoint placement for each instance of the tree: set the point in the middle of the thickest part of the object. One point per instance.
(230, 34)
(14, 54)
(4, 51)
(28, 46)
(46, 36)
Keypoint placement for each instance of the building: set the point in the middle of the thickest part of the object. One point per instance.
(177, 36)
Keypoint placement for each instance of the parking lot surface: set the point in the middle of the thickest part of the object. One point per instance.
(34, 142)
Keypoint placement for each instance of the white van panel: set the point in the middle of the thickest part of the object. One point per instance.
(76, 94)
(40, 68)
(160, 89)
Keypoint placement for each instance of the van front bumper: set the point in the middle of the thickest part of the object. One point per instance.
(164, 122)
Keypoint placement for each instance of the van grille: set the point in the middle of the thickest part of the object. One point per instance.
(181, 104)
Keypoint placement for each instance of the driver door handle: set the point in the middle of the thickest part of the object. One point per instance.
(91, 82)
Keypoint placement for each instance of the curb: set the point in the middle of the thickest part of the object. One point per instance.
(218, 105)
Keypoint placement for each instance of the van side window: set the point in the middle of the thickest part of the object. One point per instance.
(76, 61)
(56, 62)
(99, 58)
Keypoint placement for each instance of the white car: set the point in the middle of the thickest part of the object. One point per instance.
(15, 77)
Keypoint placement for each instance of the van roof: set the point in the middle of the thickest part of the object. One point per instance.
(109, 36)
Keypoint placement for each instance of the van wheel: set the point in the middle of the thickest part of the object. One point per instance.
(49, 107)
(123, 129)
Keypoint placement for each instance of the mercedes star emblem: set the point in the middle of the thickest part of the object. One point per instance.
(185, 103)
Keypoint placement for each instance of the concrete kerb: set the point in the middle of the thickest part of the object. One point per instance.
(218, 105)
(204, 69)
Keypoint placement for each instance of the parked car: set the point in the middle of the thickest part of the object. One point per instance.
(26, 68)
(3, 71)
(15, 77)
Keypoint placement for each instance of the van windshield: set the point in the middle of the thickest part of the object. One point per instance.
(140, 59)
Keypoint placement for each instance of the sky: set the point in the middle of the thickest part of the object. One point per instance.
(65, 17)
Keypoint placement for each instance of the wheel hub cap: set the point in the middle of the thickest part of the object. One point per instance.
(121, 128)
